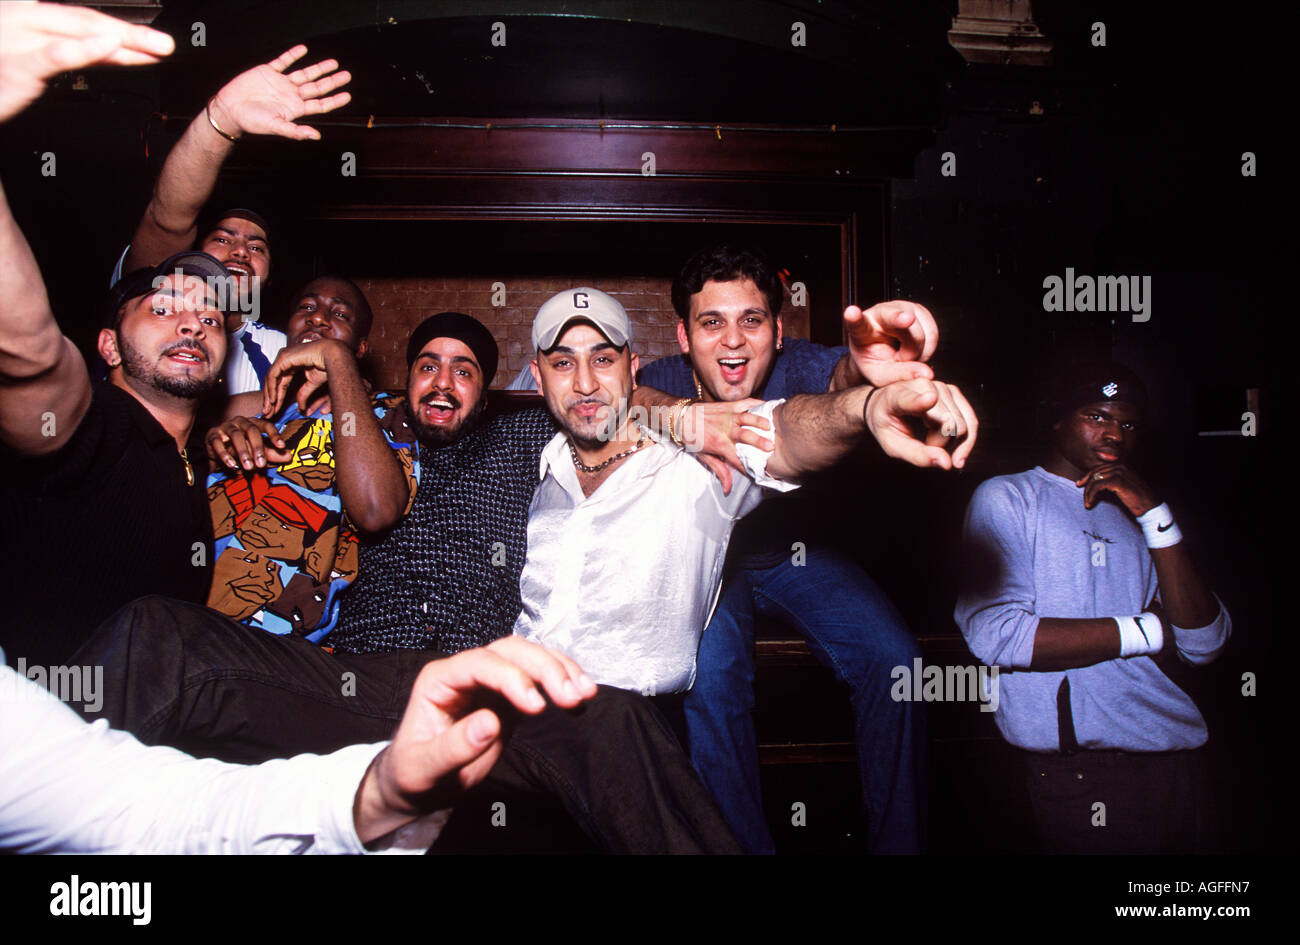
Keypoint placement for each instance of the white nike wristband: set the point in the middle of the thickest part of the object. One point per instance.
(1140, 636)
(1158, 527)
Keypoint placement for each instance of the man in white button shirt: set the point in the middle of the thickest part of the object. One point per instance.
(627, 533)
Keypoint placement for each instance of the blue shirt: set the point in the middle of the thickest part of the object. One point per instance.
(801, 368)
(765, 537)
(1034, 551)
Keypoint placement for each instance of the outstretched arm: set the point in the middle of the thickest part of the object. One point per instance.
(44, 386)
(264, 100)
(66, 786)
(917, 421)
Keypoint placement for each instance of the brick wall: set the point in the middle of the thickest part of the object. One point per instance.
(401, 304)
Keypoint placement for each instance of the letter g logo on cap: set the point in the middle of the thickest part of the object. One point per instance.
(580, 300)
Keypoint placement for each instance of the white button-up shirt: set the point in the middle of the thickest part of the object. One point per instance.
(625, 580)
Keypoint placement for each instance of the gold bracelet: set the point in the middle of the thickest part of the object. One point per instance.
(213, 122)
(675, 414)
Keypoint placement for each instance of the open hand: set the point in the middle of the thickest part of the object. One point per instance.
(40, 40)
(712, 430)
(265, 101)
(445, 744)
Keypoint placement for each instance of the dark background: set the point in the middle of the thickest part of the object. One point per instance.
(1116, 160)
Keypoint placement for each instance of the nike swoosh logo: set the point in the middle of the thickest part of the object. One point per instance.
(1164, 528)
(1138, 621)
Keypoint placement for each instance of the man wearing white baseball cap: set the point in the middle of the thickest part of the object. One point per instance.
(627, 532)
(583, 303)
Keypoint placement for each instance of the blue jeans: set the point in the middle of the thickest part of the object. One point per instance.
(854, 629)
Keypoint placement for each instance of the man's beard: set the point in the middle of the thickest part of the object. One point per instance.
(134, 364)
(594, 436)
(436, 437)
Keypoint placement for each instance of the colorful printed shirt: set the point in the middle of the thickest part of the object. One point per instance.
(285, 549)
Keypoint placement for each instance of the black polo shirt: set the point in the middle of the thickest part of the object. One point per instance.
(103, 520)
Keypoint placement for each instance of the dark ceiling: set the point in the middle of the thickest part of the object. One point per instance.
(725, 61)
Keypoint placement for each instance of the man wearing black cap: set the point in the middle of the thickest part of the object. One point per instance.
(1078, 582)
(261, 101)
(102, 492)
(241, 239)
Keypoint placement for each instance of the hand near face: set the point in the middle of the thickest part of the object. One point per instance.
(1120, 481)
(311, 360)
(921, 421)
(265, 101)
(891, 341)
(40, 40)
(445, 744)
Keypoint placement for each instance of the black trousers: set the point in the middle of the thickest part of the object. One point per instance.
(1118, 801)
(182, 675)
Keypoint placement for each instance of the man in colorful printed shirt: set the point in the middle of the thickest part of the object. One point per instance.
(282, 511)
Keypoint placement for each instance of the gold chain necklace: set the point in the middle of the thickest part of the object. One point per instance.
(598, 467)
(189, 470)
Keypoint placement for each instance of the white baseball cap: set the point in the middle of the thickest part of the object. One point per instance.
(602, 310)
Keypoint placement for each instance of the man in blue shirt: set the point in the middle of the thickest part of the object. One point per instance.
(1078, 585)
(729, 300)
